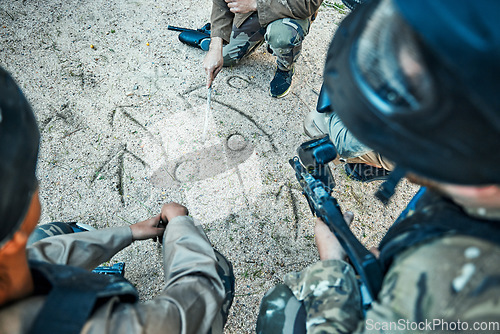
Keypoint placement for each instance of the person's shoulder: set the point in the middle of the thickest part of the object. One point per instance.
(449, 251)
(448, 276)
(18, 316)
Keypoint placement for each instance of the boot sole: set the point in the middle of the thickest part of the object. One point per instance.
(282, 95)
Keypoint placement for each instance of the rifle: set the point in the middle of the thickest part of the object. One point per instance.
(317, 182)
(199, 38)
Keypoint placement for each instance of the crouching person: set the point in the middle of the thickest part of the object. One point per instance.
(47, 287)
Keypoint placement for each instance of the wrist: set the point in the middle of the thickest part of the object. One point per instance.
(135, 232)
(216, 44)
(178, 219)
(334, 254)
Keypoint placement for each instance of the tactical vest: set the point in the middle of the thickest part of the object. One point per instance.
(430, 216)
(73, 294)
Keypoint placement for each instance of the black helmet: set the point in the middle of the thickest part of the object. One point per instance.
(419, 82)
(19, 138)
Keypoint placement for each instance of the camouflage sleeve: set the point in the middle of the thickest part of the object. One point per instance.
(330, 294)
(445, 285)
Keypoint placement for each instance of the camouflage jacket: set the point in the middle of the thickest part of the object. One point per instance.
(444, 285)
(191, 298)
(268, 10)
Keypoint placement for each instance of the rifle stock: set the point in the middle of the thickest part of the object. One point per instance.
(205, 29)
(198, 38)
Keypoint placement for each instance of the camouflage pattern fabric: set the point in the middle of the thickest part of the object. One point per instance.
(330, 293)
(323, 298)
(284, 37)
(450, 284)
(446, 285)
(244, 40)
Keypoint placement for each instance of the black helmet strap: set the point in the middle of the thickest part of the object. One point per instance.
(386, 189)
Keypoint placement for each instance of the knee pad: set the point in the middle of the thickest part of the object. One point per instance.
(284, 34)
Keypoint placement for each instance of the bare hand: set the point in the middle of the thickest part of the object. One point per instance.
(329, 247)
(147, 229)
(213, 61)
(151, 228)
(171, 210)
(242, 6)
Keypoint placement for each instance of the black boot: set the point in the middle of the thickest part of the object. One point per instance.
(280, 85)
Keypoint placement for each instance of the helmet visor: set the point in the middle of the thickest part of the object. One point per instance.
(388, 66)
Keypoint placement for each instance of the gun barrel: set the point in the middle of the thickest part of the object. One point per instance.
(177, 28)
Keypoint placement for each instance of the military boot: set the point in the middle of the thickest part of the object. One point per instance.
(280, 85)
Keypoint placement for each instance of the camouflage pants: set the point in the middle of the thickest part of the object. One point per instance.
(281, 313)
(284, 37)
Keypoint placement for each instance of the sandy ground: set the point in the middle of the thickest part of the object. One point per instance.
(121, 127)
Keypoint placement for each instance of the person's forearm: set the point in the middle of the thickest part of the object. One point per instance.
(213, 60)
(191, 277)
(187, 251)
(84, 249)
(330, 294)
(221, 20)
(216, 45)
(192, 295)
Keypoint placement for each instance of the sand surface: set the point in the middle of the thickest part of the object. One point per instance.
(122, 124)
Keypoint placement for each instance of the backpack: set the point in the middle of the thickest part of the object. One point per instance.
(72, 296)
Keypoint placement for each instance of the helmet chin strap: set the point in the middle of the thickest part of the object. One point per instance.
(386, 190)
